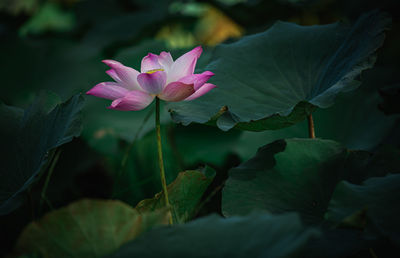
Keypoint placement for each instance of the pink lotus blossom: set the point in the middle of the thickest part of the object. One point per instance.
(159, 76)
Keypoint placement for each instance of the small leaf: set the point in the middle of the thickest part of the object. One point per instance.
(258, 235)
(87, 228)
(184, 194)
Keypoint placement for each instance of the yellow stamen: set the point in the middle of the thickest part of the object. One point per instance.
(154, 70)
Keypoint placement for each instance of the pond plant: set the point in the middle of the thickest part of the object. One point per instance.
(271, 138)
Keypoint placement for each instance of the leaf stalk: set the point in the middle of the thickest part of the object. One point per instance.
(311, 129)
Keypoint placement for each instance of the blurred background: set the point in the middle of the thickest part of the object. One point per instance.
(58, 45)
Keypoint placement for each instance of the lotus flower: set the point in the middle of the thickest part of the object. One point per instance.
(159, 76)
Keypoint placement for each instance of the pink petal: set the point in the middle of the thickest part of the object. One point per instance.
(201, 91)
(176, 91)
(127, 75)
(166, 61)
(108, 90)
(184, 65)
(149, 62)
(113, 75)
(153, 83)
(134, 100)
(197, 79)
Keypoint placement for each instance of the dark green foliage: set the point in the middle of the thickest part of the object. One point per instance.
(298, 175)
(376, 198)
(28, 140)
(275, 78)
(334, 196)
(87, 228)
(345, 122)
(257, 235)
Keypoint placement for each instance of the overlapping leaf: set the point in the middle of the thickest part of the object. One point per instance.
(87, 228)
(27, 140)
(258, 235)
(376, 197)
(298, 175)
(274, 79)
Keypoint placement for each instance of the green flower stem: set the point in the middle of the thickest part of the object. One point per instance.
(160, 157)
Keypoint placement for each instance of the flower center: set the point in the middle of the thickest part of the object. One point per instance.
(154, 70)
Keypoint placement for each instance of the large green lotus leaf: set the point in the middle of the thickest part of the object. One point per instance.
(298, 175)
(345, 122)
(274, 79)
(87, 228)
(377, 196)
(184, 194)
(258, 235)
(27, 141)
